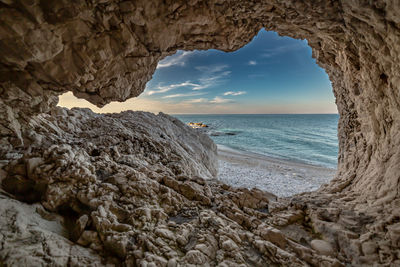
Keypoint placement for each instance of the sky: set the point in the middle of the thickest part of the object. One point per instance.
(271, 74)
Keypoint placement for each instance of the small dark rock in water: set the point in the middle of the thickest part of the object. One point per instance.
(221, 133)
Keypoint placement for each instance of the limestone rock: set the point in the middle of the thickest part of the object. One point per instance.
(322, 247)
(27, 239)
(272, 235)
(141, 193)
(134, 173)
(107, 51)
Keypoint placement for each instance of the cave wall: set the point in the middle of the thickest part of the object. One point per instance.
(107, 50)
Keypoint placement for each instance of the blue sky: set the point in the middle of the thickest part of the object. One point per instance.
(271, 74)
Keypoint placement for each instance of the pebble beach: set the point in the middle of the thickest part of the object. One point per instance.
(281, 177)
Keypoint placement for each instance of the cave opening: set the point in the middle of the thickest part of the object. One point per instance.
(268, 98)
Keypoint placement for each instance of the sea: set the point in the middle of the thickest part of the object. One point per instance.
(303, 138)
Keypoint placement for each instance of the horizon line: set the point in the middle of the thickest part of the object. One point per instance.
(252, 113)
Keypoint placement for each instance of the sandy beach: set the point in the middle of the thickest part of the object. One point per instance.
(280, 177)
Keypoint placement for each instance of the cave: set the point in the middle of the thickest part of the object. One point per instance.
(139, 193)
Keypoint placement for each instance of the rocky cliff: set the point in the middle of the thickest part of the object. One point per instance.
(133, 187)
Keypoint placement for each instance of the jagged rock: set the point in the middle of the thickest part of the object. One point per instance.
(108, 50)
(134, 173)
(121, 197)
(28, 239)
(322, 247)
(79, 226)
(272, 235)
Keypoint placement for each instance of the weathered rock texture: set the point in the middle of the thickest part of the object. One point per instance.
(88, 167)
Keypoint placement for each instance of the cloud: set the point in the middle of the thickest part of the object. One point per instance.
(271, 52)
(184, 95)
(215, 100)
(220, 100)
(211, 80)
(196, 101)
(178, 59)
(212, 76)
(235, 93)
(252, 63)
(166, 88)
(213, 68)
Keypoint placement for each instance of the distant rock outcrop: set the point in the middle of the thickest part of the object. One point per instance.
(127, 194)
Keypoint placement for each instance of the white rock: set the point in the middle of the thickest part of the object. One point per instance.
(322, 247)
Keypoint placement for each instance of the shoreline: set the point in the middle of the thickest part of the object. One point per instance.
(280, 177)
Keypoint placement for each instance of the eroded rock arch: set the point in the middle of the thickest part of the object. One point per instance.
(107, 50)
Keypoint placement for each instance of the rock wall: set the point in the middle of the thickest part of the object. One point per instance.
(107, 50)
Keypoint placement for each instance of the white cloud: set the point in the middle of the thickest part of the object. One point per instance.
(166, 88)
(215, 100)
(271, 52)
(211, 80)
(213, 68)
(184, 95)
(196, 100)
(220, 100)
(212, 75)
(178, 59)
(252, 63)
(235, 93)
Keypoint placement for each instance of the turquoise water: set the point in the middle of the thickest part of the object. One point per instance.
(307, 138)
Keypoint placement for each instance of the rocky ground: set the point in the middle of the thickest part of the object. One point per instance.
(140, 191)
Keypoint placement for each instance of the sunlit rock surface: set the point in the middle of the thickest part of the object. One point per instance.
(126, 194)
